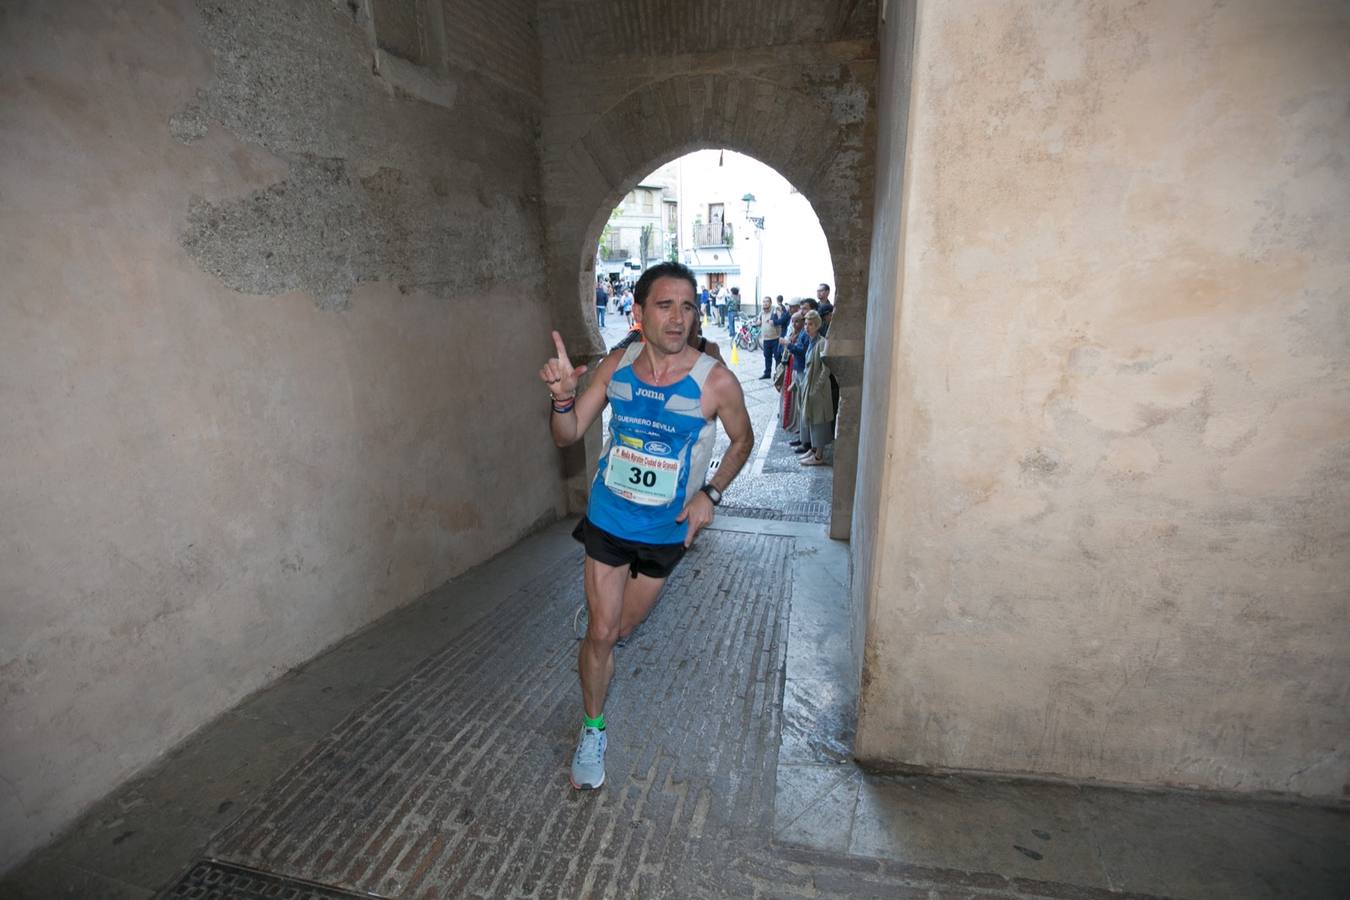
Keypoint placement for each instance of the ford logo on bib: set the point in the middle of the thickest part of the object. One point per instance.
(658, 447)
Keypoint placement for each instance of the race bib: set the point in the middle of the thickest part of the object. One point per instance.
(641, 477)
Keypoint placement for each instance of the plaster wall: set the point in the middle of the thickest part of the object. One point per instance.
(261, 330)
(879, 431)
(1113, 538)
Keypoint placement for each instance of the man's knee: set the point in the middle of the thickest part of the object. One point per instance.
(602, 635)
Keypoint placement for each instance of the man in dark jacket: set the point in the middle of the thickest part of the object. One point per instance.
(824, 306)
(782, 317)
(601, 301)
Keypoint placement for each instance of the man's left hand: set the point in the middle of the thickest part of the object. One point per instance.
(699, 512)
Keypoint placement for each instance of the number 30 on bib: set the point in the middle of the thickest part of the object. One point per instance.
(641, 477)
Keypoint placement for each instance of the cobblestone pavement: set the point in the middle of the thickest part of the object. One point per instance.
(454, 783)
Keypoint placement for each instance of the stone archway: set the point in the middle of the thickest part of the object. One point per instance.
(818, 146)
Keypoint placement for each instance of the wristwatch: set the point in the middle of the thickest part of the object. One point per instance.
(713, 494)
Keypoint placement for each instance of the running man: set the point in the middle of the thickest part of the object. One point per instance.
(649, 500)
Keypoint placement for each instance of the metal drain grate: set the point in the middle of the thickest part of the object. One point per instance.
(212, 879)
(814, 511)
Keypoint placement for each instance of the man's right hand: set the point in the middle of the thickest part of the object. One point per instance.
(558, 373)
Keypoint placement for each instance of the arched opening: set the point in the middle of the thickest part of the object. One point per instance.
(662, 176)
(749, 236)
(790, 129)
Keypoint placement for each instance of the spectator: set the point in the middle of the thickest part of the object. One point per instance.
(768, 335)
(601, 301)
(824, 307)
(782, 317)
(826, 310)
(817, 410)
(733, 310)
(797, 349)
(788, 408)
(626, 306)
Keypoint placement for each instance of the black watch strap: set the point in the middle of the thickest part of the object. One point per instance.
(713, 494)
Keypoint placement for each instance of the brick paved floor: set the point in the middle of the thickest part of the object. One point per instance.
(768, 807)
(453, 783)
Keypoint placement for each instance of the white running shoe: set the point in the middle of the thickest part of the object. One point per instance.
(588, 765)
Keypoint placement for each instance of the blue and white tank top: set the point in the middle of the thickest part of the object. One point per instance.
(656, 453)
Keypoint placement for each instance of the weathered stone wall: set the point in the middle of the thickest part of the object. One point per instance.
(1112, 538)
(879, 431)
(266, 299)
(628, 87)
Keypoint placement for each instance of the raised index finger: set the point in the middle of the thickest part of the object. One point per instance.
(562, 351)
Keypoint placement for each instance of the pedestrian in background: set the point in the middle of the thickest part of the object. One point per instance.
(782, 316)
(788, 407)
(824, 307)
(796, 349)
(817, 407)
(733, 310)
(768, 335)
(601, 301)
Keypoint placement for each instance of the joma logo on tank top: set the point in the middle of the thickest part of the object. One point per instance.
(650, 394)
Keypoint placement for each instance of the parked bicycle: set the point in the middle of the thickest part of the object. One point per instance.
(747, 336)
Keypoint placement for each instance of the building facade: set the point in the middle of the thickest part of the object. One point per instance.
(643, 229)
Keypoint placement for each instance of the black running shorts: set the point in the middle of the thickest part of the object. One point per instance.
(652, 560)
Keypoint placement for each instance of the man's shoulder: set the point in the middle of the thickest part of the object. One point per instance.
(606, 367)
(720, 378)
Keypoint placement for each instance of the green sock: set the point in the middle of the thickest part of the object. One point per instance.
(598, 723)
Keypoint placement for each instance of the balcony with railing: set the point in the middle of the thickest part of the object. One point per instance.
(714, 234)
(613, 253)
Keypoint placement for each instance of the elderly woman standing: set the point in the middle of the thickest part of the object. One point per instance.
(817, 409)
(794, 349)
